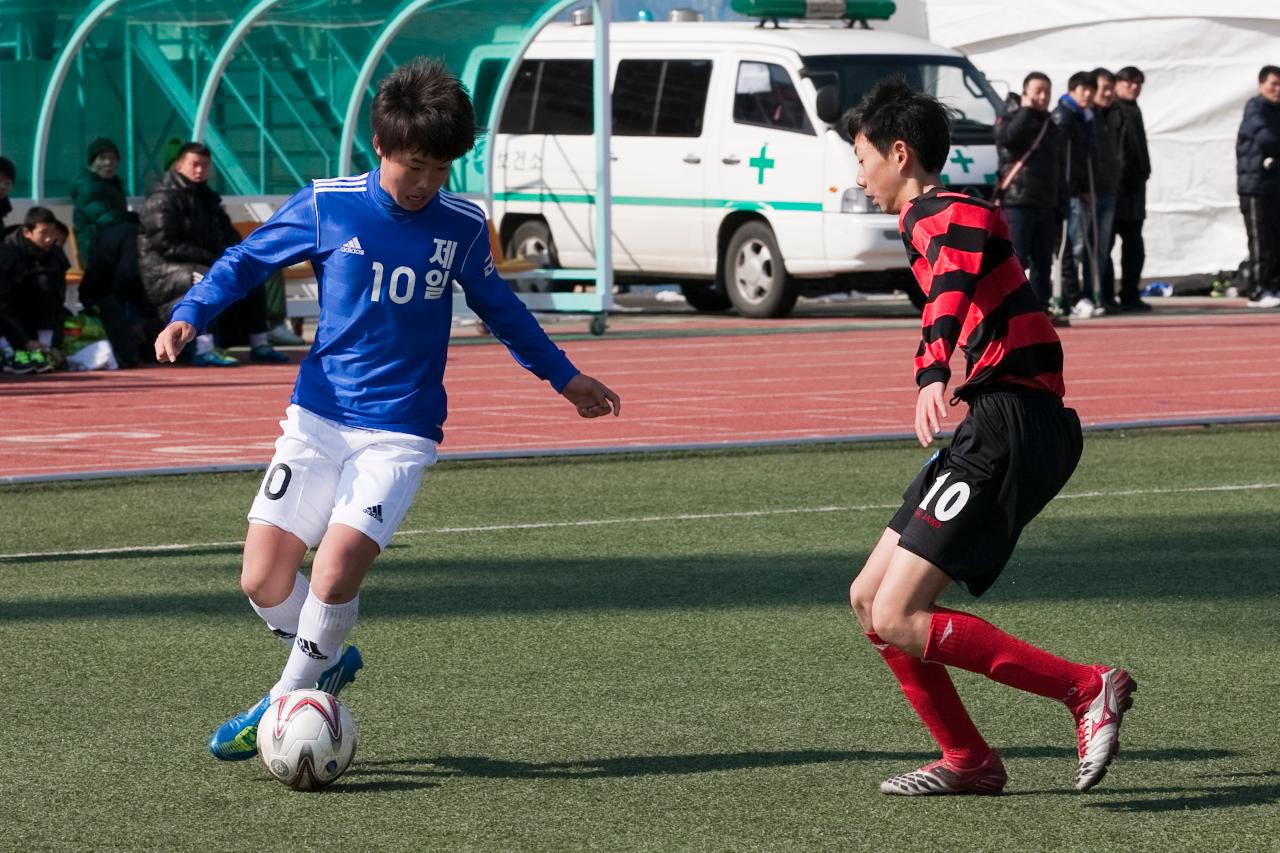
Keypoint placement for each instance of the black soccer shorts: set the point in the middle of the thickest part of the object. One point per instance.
(967, 507)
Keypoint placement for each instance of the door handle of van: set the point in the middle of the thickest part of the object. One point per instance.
(692, 158)
(731, 160)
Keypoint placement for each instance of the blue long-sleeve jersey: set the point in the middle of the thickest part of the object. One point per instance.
(386, 280)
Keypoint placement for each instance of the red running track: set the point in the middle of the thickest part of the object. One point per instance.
(677, 392)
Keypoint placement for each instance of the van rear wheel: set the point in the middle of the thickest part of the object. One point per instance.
(754, 275)
(531, 241)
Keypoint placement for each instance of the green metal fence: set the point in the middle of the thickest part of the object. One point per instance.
(279, 89)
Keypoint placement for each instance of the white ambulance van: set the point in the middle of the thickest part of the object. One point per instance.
(731, 172)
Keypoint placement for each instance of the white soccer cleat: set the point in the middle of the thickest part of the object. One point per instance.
(1098, 725)
(938, 779)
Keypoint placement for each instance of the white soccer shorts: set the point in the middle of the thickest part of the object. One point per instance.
(324, 472)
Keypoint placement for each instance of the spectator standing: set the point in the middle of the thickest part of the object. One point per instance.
(183, 230)
(1074, 119)
(1106, 187)
(1258, 183)
(97, 195)
(8, 174)
(1030, 152)
(1135, 169)
(33, 287)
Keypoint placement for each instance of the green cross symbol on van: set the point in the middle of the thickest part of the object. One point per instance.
(962, 161)
(761, 163)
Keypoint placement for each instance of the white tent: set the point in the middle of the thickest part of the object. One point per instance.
(1201, 62)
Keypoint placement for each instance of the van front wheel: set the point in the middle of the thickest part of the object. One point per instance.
(755, 278)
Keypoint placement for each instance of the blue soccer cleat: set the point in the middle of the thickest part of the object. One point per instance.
(342, 673)
(237, 738)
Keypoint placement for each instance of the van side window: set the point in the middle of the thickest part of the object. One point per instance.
(552, 96)
(660, 97)
(765, 96)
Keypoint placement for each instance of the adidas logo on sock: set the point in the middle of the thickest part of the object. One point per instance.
(374, 511)
(311, 650)
(353, 247)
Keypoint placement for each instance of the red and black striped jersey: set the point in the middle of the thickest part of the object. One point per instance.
(977, 296)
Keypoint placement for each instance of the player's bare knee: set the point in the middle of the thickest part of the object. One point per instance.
(862, 598)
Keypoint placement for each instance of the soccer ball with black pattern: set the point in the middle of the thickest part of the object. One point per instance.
(306, 739)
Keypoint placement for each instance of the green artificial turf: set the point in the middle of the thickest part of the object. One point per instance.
(659, 682)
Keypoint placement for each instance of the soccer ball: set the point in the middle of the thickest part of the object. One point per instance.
(306, 739)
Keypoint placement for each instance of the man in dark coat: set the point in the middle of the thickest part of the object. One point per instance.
(1030, 152)
(33, 287)
(183, 230)
(1074, 118)
(1106, 185)
(1135, 169)
(1258, 183)
(8, 174)
(97, 195)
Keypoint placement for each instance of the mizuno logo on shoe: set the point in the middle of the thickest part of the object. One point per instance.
(311, 650)
(352, 246)
(374, 512)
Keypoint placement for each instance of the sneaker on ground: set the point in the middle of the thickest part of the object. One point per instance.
(214, 358)
(1098, 725)
(283, 336)
(1266, 300)
(939, 778)
(1106, 308)
(342, 673)
(39, 363)
(19, 364)
(1134, 305)
(237, 738)
(267, 354)
(1083, 309)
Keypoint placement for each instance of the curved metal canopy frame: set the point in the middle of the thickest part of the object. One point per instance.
(234, 37)
(84, 25)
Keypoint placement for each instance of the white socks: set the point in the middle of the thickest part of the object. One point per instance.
(204, 343)
(322, 628)
(283, 618)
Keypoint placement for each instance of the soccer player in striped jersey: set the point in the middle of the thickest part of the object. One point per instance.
(1013, 451)
(369, 404)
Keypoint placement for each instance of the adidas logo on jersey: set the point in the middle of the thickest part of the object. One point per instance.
(352, 246)
(374, 511)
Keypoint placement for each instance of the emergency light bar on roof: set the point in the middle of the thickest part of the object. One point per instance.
(853, 10)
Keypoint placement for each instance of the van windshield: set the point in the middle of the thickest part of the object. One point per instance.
(952, 80)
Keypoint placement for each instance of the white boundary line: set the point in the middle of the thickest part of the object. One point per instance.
(641, 519)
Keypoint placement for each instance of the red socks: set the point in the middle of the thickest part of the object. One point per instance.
(928, 688)
(965, 641)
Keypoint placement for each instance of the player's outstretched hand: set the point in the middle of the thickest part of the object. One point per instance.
(591, 398)
(175, 336)
(931, 411)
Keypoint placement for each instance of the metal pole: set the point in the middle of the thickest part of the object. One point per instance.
(234, 36)
(603, 16)
(130, 129)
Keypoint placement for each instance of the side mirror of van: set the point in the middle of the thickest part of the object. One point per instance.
(828, 103)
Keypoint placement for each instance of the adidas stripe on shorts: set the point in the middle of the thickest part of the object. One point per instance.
(324, 472)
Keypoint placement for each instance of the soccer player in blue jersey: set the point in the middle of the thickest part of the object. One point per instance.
(369, 403)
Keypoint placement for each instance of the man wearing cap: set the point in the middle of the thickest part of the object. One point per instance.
(97, 195)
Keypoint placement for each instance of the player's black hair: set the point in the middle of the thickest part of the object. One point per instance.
(892, 110)
(1082, 78)
(421, 107)
(193, 148)
(1130, 74)
(1036, 75)
(8, 169)
(39, 216)
(1267, 71)
(1101, 73)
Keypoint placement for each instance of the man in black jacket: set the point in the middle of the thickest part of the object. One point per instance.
(1030, 153)
(33, 287)
(1135, 169)
(1074, 118)
(8, 174)
(1258, 183)
(183, 230)
(1106, 185)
